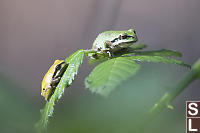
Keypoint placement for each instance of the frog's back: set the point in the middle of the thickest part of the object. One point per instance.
(102, 38)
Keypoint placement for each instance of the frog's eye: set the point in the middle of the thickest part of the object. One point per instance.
(124, 36)
(58, 67)
(43, 89)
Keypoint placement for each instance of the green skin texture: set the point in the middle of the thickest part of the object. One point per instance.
(104, 41)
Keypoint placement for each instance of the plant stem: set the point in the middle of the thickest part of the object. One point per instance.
(90, 51)
(169, 96)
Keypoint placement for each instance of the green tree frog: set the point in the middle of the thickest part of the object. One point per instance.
(52, 78)
(112, 41)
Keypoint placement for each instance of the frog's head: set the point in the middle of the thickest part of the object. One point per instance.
(128, 36)
(125, 38)
(46, 91)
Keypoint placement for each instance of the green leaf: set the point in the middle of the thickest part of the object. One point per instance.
(162, 52)
(138, 46)
(74, 61)
(157, 59)
(45, 114)
(109, 74)
(101, 57)
(129, 50)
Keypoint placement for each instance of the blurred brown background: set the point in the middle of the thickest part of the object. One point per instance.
(33, 33)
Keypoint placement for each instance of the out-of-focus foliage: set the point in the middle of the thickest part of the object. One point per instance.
(196, 67)
(16, 113)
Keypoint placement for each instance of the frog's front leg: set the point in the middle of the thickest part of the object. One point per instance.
(109, 46)
(55, 81)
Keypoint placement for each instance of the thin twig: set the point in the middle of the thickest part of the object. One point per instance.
(169, 96)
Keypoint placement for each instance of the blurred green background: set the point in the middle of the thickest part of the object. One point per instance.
(35, 33)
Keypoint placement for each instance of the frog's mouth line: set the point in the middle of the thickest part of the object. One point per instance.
(134, 37)
(120, 39)
(122, 42)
